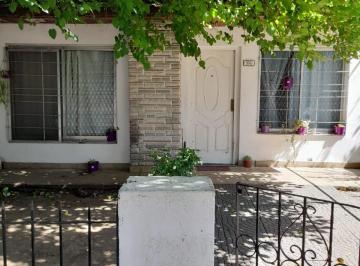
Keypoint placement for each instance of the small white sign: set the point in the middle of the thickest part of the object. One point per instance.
(249, 62)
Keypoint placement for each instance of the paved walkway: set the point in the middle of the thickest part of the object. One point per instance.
(312, 182)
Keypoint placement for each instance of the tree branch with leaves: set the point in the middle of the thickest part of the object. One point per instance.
(272, 24)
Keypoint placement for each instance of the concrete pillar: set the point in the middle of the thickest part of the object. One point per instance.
(167, 221)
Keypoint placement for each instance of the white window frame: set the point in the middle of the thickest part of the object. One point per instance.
(313, 131)
(58, 49)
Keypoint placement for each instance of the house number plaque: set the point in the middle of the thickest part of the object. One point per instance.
(249, 62)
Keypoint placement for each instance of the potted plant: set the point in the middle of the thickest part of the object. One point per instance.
(184, 163)
(111, 134)
(339, 129)
(93, 166)
(264, 128)
(247, 161)
(301, 126)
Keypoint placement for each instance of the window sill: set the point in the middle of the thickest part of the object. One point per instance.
(63, 142)
(308, 134)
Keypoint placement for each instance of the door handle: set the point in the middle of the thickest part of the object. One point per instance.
(232, 105)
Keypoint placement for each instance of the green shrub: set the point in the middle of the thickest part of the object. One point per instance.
(183, 164)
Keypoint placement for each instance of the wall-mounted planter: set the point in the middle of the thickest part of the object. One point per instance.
(264, 129)
(93, 166)
(339, 130)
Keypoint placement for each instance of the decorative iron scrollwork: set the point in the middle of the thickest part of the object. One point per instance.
(296, 254)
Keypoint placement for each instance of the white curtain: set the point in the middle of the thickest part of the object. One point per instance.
(321, 92)
(88, 92)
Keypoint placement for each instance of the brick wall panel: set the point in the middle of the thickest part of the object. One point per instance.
(154, 98)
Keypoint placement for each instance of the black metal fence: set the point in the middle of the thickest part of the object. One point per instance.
(280, 228)
(33, 222)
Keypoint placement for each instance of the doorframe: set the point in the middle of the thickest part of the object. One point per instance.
(236, 94)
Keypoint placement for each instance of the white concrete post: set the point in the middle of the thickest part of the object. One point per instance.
(167, 221)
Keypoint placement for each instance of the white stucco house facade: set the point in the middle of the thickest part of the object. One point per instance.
(218, 110)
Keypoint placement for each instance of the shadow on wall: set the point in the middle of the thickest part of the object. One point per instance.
(330, 149)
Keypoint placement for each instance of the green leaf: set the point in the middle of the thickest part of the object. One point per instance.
(21, 23)
(12, 6)
(52, 33)
(272, 25)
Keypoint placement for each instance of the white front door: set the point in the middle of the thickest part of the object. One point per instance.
(209, 106)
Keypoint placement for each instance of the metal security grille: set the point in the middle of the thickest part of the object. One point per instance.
(60, 93)
(317, 94)
(34, 95)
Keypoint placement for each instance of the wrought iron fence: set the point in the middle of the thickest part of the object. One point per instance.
(33, 222)
(284, 230)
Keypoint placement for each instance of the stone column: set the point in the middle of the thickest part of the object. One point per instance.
(154, 101)
(167, 221)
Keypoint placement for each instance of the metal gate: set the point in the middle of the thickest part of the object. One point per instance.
(278, 228)
(59, 222)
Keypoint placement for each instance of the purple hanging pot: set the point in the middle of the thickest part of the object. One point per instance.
(287, 83)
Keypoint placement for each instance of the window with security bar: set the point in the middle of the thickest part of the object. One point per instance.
(61, 94)
(289, 91)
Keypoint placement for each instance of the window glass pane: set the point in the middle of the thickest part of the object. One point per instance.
(322, 92)
(88, 88)
(28, 92)
(278, 105)
(317, 94)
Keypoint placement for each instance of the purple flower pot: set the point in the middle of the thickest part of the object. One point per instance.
(287, 83)
(264, 129)
(339, 130)
(302, 130)
(93, 166)
(111, 136)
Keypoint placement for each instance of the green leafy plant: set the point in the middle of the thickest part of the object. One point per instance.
(5, 192)
(247, 158)
(301, 123)
(274, 24)
(183, 164)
